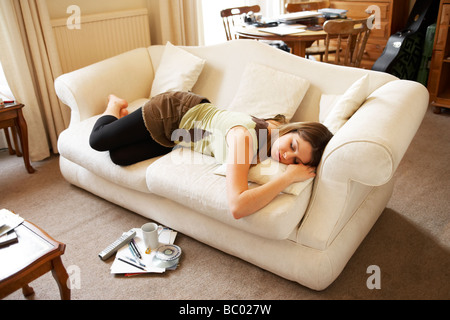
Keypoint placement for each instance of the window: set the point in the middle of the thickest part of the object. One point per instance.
(212, 22)
(5, 94)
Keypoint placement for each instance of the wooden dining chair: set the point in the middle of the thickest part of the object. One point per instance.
(351, 37)
(318, 46)
(234, 16)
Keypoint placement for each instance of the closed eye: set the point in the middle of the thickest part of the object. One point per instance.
(296, 160)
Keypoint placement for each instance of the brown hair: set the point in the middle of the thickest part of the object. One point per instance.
(315, 133)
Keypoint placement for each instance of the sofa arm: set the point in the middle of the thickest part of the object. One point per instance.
(85, 91)
(372, 143)
(363, 154)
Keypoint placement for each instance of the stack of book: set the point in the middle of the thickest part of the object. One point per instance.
(8, 222)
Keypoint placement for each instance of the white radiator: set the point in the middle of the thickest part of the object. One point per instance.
(100, 36)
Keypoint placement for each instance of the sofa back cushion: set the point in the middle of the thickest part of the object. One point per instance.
(178, 70)
(226, 63)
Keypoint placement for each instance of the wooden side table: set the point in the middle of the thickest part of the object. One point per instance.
(35, 254)
(11, 117)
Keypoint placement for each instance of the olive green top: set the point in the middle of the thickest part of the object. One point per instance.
(204, 129)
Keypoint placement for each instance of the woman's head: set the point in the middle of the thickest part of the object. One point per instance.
(300, 142)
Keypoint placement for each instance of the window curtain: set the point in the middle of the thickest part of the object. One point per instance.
(31, 64)
(176, 21)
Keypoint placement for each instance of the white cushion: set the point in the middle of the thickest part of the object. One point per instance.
(187, 178)
(347, 104)
(265, 92)
(327, 102)
(178, 71)
(269, 170)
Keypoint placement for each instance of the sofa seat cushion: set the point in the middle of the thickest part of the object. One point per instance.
(73, 144)
(188, 178)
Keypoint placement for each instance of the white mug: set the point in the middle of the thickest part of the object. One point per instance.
(150, 235)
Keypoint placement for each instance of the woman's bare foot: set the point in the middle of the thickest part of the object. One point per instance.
(116, 107)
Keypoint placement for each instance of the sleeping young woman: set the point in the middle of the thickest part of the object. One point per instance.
(240, 140)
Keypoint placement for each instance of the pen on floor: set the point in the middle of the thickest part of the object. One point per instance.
(136, 260)
(132, 264)
(135, 248)
(133, 252)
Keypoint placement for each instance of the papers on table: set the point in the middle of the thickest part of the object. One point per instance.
(125, 258)
(283, 30)
(292, 23)
(298, 15)
(8, 221)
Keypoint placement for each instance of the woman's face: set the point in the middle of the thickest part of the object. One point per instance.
(291, 149)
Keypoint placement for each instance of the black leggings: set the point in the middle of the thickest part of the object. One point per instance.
(127, 139)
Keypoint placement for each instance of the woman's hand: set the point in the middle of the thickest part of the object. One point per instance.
(243, 201)
(299, 172)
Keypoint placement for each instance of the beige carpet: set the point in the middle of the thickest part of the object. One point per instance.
(410, 242)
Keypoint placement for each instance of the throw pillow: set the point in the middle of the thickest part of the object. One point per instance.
(327, 102)
(177, 71)
(265, 92)
(347, 104)
(266, 171)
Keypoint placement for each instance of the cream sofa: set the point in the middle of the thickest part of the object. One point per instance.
(307, 238)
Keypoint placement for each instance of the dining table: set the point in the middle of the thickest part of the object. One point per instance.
(298, 42)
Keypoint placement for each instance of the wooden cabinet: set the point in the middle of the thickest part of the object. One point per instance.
(393, 15)
(439, 78)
